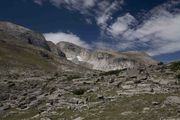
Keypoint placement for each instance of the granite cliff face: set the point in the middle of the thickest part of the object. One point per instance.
(105, 59)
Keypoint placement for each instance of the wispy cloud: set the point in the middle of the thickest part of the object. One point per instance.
(105, 11)
(67, 37)
(102, 10)
(39, 2)
(158, 34)
(121, 25)
(161, 32)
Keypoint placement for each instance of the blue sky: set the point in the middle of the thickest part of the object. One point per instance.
(152, 26)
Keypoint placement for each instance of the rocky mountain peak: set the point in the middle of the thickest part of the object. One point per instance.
(73, 51)
(105, 60)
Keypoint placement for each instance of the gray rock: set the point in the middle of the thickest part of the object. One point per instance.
(34, 104)
(100, 97)
(111, 80)
(5, 107)
(79, 118)
(45, 118)
(4, 96)
(172, 100)
(127, 113)
(155, 103)
(137, 81)
(23, 105)
(54, 49)
(76, 101)
(142, 77)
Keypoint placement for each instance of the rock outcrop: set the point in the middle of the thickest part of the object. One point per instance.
(54, 49)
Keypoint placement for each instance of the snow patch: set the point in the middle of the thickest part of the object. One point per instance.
(79, 58)
(70, 59)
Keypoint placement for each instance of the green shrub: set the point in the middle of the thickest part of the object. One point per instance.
(71, 77)
(175, 66)
(79, 91)
(113, 72)
(178, 76)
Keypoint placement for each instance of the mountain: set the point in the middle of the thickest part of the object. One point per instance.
(22, 49)
(105, 60)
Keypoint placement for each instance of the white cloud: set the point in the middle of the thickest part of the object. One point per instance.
(170, 47)
(60, 36)
(88, 21)
(101, 20)
(39, 2)
(165, 26)
(89, 3)
(159, 34)
(73, 4)
(121, 24)
(105, 11)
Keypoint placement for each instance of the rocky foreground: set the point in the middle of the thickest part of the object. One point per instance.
(38, 82)
(151, 93)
